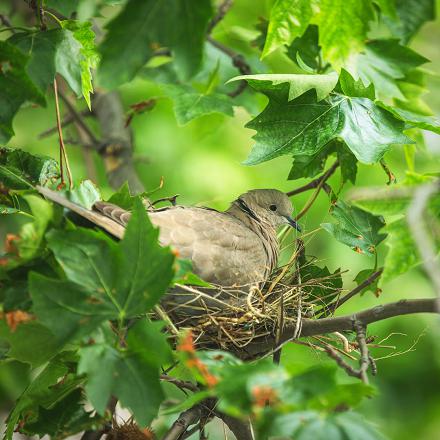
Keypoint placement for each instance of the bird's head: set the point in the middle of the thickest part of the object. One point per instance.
(269, 205)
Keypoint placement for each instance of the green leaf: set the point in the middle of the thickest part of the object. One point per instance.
(38, 391)
(355, 427)
(70, 311)
(122, 197)
(31, 342)
(362, 276)
(353, 88)
(146, 268)
(306, 48)
(305, 126)
(347, 164)
(308, 166)
(16, 87)
(190, 104)
(402, 254)
(66, 7)
(88, 59)
(355, 228)
(383, 62)
(86, 194)
(387, 7)
(288, 20)
(320, 284)
(22, 170)
(413, 119)
(343, 27)
(297, 83)
(411, 15)
(177, 24)
(131, 375)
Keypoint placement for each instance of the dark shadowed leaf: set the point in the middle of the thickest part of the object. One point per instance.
(306, 48)
(177, 24)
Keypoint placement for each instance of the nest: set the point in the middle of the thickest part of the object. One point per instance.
(233, 319)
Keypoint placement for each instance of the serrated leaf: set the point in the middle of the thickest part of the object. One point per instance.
(86, 194)
(132, 375)
(308, 166)
(288, 20)
(297, 83)
(320, 284)
(387, 7)
(362, 276)
(355, 228)
(177, 24)
(353, 88)
(413, 119)
(343, 27)
(21, 170)
(411, 15)
(190, 104)
(16, 87)
(305, 126)
(347, 164)
(385, 61)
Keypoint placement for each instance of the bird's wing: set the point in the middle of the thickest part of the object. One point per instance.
(222, 250)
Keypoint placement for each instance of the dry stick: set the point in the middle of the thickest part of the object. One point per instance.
(316, 182)
(389, 173)
(338, 303)
(63, 152)
(341, 362)
(421, 236)
(182, 384)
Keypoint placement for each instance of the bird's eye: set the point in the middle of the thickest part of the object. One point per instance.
(273, 207)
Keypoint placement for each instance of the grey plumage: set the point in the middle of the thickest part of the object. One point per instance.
(237, 247)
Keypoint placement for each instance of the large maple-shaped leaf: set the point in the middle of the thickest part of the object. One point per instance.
(177, 24)
(288, 20)
(105, 280)
(383, 62)
(16, 87)
(131, 375)
(356, 228)
(305, 126)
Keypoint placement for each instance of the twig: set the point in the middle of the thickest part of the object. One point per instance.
(338, 303)
(237, 60)
(182, 384)
(319, 181)
(351, 371)
(420, 234)
(184, 421)
(4, 20)
(389, 173)
(364, 361)
(80, 120)
(63, 153)
(64, 123)
(242, 430)
(221, 12)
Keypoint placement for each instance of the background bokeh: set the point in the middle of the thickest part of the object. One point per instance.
(201, 161)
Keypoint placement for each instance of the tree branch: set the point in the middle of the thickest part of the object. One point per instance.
(241, 430)
(312, 327)
(221, 12)
(338, 303)
(185, 420)
(319, 181)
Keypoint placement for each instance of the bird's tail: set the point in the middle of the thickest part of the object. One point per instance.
(104, 222)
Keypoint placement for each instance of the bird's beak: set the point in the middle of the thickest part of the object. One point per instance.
(293, 223)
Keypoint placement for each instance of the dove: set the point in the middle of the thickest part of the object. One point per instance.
(236, 247)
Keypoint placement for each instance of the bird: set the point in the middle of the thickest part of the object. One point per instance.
(231, 248)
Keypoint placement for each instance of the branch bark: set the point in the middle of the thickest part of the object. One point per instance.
(312, 327)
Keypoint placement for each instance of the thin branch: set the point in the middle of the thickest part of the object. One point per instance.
(242, 430)
(63, 153)
(221, 12)
(312, 327)
(184, 421)
(237, 60)
(420, 234)
(364, 361)
(388, 172)
(64, 123)
(5, 21)
(80, 120)
(182, 384)
(351, 371)
(338, 303)
(319, 181)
